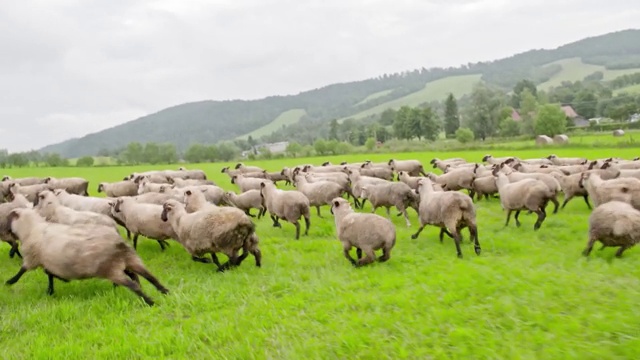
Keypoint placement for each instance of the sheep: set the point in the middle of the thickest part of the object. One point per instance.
(194, 174)
(212, 193)
(117, 189)
(619, 189)
(49, 207)
(547, 179)
(145, 187)
(322, 169)
(246, 201)
(220, 229)
(615, 223)
(571, 188)
(245, 184)
(77, 252)
(19, 201)
(366, 232)
(182, 183)
(276, 176)
(441, 164)
(484, 186)
(153, 177)
(412, 181)
(396, 194)
(143, 219)
(529, 194)
(339, 178)
(493, 160)
(452, 211)
(358, 181)
(319, 193)
(156, 198)
(29, 191)
(74, 185)
(287, 205)
(25, 181)
(83, 203)
(566, 161)
(385, 173)
(413, 167)
(455, 180)
(248, 169)
(542, 169)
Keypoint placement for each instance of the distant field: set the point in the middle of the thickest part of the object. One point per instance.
(632, 89)
(435, 90)
(374, 96)
(286, 118)
(528, 295)
(574, 69)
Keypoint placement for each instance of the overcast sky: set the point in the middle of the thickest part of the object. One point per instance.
(72, 67)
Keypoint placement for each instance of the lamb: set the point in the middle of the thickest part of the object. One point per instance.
(77, 252)
(366, 232)
(615, 223)
(29, 191)
(246, 201)
(413, 167)
(452, 211)
(619, 189)
(225, 230)
(319, 193)
(527, 194)
(182, 183)
(287, 205)
(49, 207)
(245, 184)
(566, 161)
(74, 185)
(396, 194)
(143, 219)
(385, 173)
(120, 188)
(19, 201)
(412, 181)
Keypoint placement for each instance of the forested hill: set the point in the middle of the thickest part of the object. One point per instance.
(214, 121)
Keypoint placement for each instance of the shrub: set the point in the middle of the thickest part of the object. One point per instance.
(85, 161)
(464, 135)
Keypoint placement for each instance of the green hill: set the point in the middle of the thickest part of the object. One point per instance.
(632, 89)
(213, 121)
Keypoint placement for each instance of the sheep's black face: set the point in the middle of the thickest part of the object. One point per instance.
(166, 208)
(100, 187)
(116, 207)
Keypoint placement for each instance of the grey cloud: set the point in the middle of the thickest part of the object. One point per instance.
(77, 66)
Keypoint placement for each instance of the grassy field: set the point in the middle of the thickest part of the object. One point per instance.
(286, 118)
(632, 89)
(574, 69)
(435, 90)
(528, 295)
(374, 96)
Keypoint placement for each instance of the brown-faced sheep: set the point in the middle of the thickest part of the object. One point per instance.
(366, 232)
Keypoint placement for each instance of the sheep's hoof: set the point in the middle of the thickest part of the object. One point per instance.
(164, 291)
(277, 225)
(460, 256)
(478, 250)
(414, 236)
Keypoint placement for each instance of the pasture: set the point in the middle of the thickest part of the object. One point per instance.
(528, 295)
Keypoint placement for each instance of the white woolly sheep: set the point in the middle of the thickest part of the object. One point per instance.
(614, 223)
(73, 185)
(120, 188)
(288, 205)
(412, 167)
(19, 201)
(396, 194)
(143, 219)
(246, 201)
(527, 194)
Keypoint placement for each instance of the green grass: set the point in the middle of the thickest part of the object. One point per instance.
(529, 295)
(374, 96)
(573, 69)
(631, 89)
(435, 90)
(286, 118)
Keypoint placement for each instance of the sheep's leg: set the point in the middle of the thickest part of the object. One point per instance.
(486, 196)
(318, 210)
(472, 193)
(297, 224)
(368, 259)
(132, 275)
(163, 244)
(135, 241)
(457, 239)
(541, 216)
(14, 251)
(415, 236)
(138, 268)
(586, 199)
(592, 241)
(444, 231)
(359, 253)
(516, 217)
(50, 286)
(362, 203)
(386, 254)
(566, 200)
(276, 223)
(356, 203)
(473, 231)
(121, 279)
(621, 250)
(17, 276)
(406, 216)
(307, 223)
(388, 212)
(215, 260)
(508, 217)
(345, 251)
(200, 259)
(249, 213)
(554, 200)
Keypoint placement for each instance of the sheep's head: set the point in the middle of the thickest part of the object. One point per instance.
(233, 179)
(636, 158)
(117, 204)
(552, 156)
(187, 194)
(11, 218)
(181, 168)
(169, 179)
(343, 163)
(326, 163)
(40, 196)
(282, 172)
(486, 157)
(225, 169)
(48, 180)
(339, 204)
(100, 187)
(238, 166)
(433, 161)
(605, 166)
(518, 166)
(390, 162)
(167, 207)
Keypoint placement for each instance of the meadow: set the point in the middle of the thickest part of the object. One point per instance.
(529, 295)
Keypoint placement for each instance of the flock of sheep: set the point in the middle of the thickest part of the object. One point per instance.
(55, 224)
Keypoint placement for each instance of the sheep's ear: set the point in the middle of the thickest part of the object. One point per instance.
(336, 203)
(390, 161)
(12, 216)
(237, 166)
(188, 192)
(362, 166)
(262, 185)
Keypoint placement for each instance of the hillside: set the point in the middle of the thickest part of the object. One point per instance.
(214, 121)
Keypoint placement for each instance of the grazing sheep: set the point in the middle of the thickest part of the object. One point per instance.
(77, 252)
(412, 167)
(614, 223)
(566, 161)
(527, 194)
(366, 232)
(319, 193)
(245, 184)
(49, 207)
(74, 185)
(288, 205)
(452, 211)
(246, 201)
(120, 188)
(396, 194)
(212, 230)
(19, 201)
(143, 219)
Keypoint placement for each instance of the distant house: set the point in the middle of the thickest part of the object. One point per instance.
(578, 121)
(515, 115)
(275, 148)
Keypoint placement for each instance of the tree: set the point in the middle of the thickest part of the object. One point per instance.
(211, 153)
(320, 146)
(167, 153)
(227, 151)
(509, 127)
(464, 135)
(586, 103)
(388, 117)
(251, 141)
(85, 161)
(401, 123)
(370, 143)
(521, 86)
(195, 153)
(484, 111)
(151, 153)
(528, 108)
(53, 160)
(550, 121)
(294, 149)
(133, 153)
(333, 130)
(429, 124)
(451, 116)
